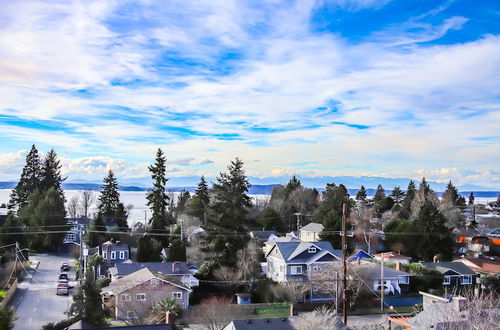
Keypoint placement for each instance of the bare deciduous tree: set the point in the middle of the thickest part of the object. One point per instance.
(214, 313)
(322, 318)
(86, 201)
(72, 206)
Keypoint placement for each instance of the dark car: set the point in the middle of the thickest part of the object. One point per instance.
(64, 267)
(63, 289)
(63, 276)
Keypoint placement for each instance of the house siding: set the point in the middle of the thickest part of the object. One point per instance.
(153, 294)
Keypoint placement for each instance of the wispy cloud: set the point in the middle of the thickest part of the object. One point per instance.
(211, 80)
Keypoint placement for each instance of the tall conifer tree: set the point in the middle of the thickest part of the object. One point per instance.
(29, 181)
(405, 211)
(110, 197)
(51, 173)
(157, 197)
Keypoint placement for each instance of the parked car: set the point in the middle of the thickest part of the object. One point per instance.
(62, 281)
(64, 267)
(62, 289)
(63, 276)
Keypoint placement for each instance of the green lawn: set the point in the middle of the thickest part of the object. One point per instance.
(2, 294)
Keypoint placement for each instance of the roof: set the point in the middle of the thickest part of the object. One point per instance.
(134, 279)
(79, 221)
(271, 324)
(283, 239)
(360, 255)
(263, 234)
(391, 255)
(371, 271)
(313, 227)
(484, 264)
(443, 267)
(84, 325)
(116, 246)
(292, 250)
(124, 269)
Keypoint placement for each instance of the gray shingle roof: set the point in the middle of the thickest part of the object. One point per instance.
(313, 227)
(261, 324)
(371, 271)
(124, 269)
(291, 250)
(443, 267)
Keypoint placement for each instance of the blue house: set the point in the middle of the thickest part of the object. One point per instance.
(360, 255)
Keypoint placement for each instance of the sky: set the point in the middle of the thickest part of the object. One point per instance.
(401, 88)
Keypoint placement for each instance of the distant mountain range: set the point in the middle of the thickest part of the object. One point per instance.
(266, 185)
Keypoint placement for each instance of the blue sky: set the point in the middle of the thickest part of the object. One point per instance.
(397, 88)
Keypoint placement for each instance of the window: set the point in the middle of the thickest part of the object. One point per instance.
(154, 281)
(447, 280)
(126, 297)
(296, 270)
(122, 254)
(71, 237)
(315, 268)
(315, 288)
(467, 280)
(140, 297)
(104, 255)
(131, 314)
(177, 295)
(403, 280)
(312, 249)
(113, 255)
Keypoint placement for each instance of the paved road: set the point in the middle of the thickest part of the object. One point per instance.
(36, 300)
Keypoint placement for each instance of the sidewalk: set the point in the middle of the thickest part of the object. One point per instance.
(23, 286)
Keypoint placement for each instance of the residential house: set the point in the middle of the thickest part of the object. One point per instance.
(451, 312)
(311, 232)
(270, 243)
(73, 235)
(263, 235)
(395, 281)
(114, 252)
(484, 265)
(360, 255)
(177, 270)
(392, 257)
(134, 295)
(456, 274)
(301, 262)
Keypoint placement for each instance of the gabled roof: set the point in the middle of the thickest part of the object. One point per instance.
(443, 267)
(260, 324)
(361, 254)
(136, 278)
(490, 265)
(79, 221)
(291, 250)
(313, 227)
(124, 269)
(391, 255)
(371, 271)
(263, 234)
(115, 247)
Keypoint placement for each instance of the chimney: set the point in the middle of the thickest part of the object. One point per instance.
(176, 267)
(398, 265)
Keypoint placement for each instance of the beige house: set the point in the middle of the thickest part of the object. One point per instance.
(311, 232)
(134, 295)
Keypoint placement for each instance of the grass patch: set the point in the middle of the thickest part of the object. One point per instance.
(2, 294)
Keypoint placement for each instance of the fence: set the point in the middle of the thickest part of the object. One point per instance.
(235, 312)
(12, 289)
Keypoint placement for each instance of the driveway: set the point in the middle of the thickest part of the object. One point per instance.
(36, 300)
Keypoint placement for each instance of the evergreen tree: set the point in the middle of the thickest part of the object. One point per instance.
(51, 173)
(157, 198)
(423, 195)
(177, 251)
(329, 212)
(121, 216)
(200, 202)
(87, 303)
(432, 237)
(451, 195)
(13, 225)
(29, 181)
(229, 213)
(182, 201)
(270, 219)
(148, 249)
(471, 198)
(405, 211)
(7, 317)
(361, 195)
(110, 197)
(378, 201)
(397, 195)
(95, 235)
(293, 184)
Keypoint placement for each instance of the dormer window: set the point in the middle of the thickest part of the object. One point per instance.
(312, 249)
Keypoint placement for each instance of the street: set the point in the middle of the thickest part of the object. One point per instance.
(36, 301)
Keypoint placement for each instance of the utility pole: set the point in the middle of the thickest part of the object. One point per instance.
(336, 292)
(298, 214)
(344, 264)
(382, 283)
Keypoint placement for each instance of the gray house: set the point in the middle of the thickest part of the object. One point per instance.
(299, 261)
(395, 281)
(456, 274)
